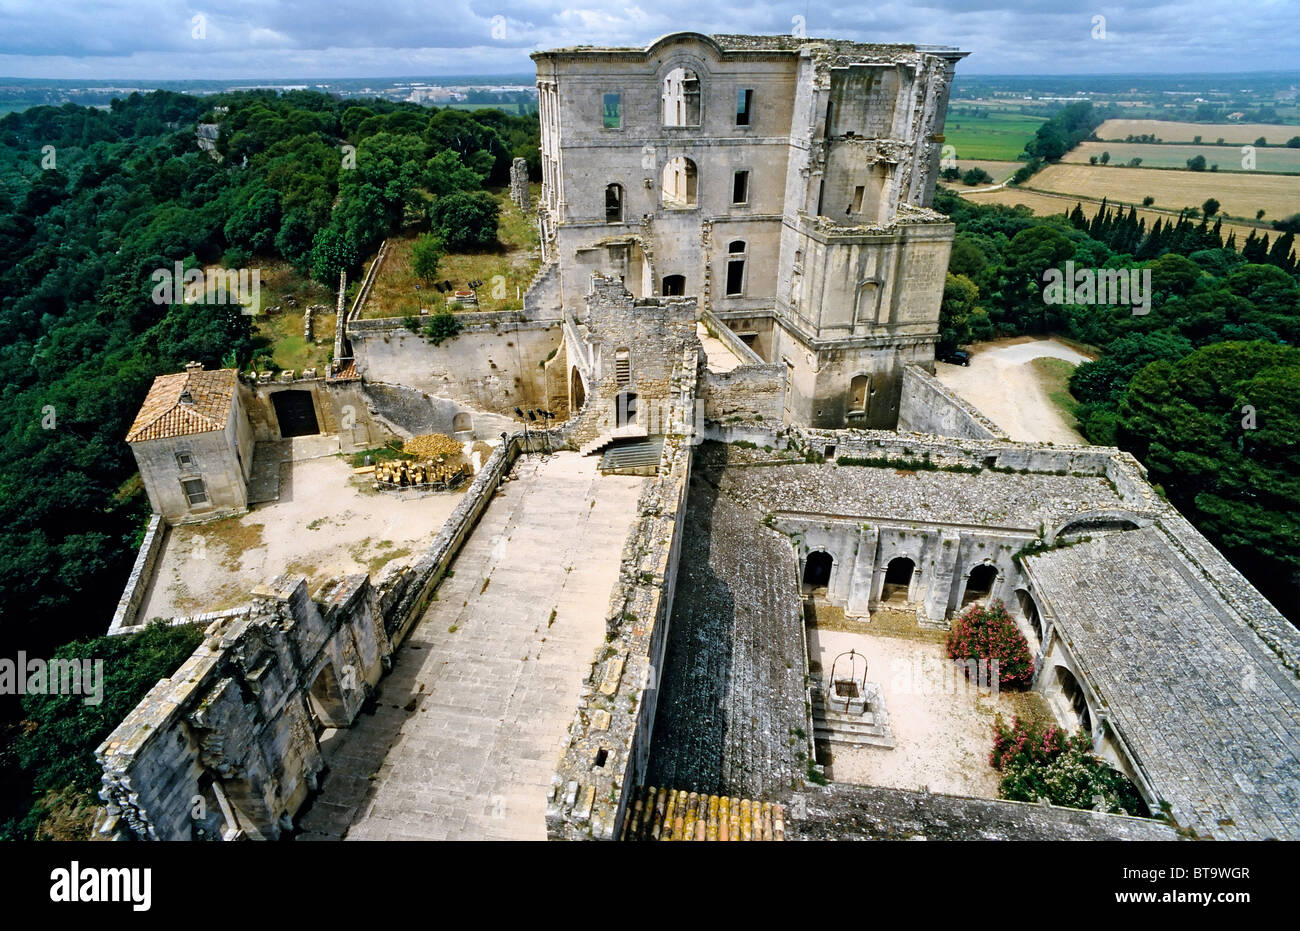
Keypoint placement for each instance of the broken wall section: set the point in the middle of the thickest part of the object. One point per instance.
(929, 406)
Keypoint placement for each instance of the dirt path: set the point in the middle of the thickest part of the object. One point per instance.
(1004, 386)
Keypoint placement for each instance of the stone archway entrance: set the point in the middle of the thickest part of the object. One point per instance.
(817, 570)
(898, 579)
(980, 584)
(1072, 692)
(1029, 611)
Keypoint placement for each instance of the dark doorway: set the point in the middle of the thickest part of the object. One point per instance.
(625, 410)
(980, 583)
(817, 569)
(296, 413)
(674, 285)
(898, 579)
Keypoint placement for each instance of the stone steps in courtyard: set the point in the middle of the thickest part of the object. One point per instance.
(868, 729)
(633, 458)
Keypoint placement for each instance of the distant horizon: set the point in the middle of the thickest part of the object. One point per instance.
(530, 75)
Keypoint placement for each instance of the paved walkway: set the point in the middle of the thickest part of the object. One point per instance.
(471, 720)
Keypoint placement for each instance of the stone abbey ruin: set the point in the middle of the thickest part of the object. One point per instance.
(707, 600)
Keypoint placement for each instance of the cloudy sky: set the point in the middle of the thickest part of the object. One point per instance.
(174, 39)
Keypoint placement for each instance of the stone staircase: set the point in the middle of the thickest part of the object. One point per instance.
(638, 457)
(630, 432)
(869, 728)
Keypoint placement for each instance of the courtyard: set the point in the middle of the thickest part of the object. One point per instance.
(325, 523)
(942, 726)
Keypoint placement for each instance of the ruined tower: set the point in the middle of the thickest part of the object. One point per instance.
(783, 181)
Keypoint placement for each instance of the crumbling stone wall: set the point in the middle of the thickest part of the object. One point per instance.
(930, 406)
(227, 746)
(519, 192)
(750, 392)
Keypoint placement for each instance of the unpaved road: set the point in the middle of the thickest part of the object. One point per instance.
(1004, 386)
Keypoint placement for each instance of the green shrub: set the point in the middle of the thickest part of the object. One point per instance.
(1037, 762)
(442, 325)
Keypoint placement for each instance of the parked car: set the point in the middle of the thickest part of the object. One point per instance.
(955, 357)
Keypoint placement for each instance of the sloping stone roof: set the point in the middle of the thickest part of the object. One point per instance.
(184, 403)
(674, 814)
(1210, 713)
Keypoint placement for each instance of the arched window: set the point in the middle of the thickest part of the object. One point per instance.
(462, 422)
(577, 392)
(1029, 611)
(674, 285)
(613, 203)
(681, 98)
(858, 394)
(679, 182)
(736, 255)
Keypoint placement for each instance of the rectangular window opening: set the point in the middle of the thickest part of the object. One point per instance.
(194, 491)
(735, 277)
(613, 111)
(858, 192)
(740, 188)
(744, 103)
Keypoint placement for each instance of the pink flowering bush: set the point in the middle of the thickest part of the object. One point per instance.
(988, 634)
(1048, 763)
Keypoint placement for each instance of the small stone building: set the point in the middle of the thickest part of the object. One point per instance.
(193, 444)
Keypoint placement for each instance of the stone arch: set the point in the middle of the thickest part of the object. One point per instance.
(577, 391)
(1074, 696)
(1029, 611)
(682, 97)
(679, 183)
(817, 569)
(1104, 519)
(898, 579)
(326, 698)
(979, 584)
(859, 393)
(462, 423)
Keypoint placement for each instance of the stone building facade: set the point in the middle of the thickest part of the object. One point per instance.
(193, 444)
(784, 182)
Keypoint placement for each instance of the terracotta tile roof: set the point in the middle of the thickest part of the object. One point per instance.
(673, 814)
(184, 403)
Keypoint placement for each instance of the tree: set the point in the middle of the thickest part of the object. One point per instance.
(331, 253)
(1148, 201)
(1105, 158)
(426, 253)
(1210, 207)
(466, 221)
(959, 297)
(976, 176)
(1197, 163)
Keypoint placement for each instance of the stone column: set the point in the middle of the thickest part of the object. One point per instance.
(864, 574)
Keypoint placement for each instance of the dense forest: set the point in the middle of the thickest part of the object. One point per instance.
(1204, 389)
(91, 203)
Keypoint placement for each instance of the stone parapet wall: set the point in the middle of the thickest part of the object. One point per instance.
(609, 740)
(124, 618)
(929, 406)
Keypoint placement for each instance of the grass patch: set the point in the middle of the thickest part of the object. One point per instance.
(1054, 375)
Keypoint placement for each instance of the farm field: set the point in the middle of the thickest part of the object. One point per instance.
(1171, 131)
(1227, 157)
(1046, 204)
(999, 170)
(995, 135)
(1239, 194)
